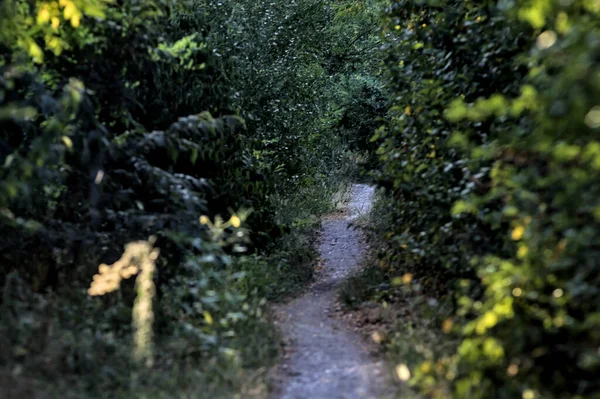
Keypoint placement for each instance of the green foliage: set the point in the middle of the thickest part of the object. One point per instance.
(122, 120)
(490, 166)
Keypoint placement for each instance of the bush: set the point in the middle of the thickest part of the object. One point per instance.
(490, 165)
(129, 119)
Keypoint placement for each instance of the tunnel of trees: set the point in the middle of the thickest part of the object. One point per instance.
(164, 166)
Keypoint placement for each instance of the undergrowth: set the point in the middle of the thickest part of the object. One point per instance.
(411, 321)
(70, 345)
(490, 159)
(221, 129)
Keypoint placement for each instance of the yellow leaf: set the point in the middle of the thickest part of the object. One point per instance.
(235, 221)
(407, 278)
(204, 219)
(69, 10)
(488, 321)
(36, 52)
(208, 318)
(55, 22)
(43, 16)
(522, 252)
(55, 45)
(75, 21)
(492, 349)
(68, 142)
(517, 233)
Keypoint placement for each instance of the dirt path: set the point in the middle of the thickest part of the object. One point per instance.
(328, 361)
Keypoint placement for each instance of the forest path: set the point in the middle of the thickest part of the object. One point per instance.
(328, 360)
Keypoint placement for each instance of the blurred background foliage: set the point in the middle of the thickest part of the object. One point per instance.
(221, 129)
(488, 219)
(125, 119)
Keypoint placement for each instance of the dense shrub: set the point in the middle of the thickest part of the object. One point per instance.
(121, 120)
(490, 164)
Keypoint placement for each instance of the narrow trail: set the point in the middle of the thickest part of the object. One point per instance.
(329, 361)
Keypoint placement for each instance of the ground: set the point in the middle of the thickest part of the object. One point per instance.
(326, 358)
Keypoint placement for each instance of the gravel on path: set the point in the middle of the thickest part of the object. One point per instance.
(328, 360)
